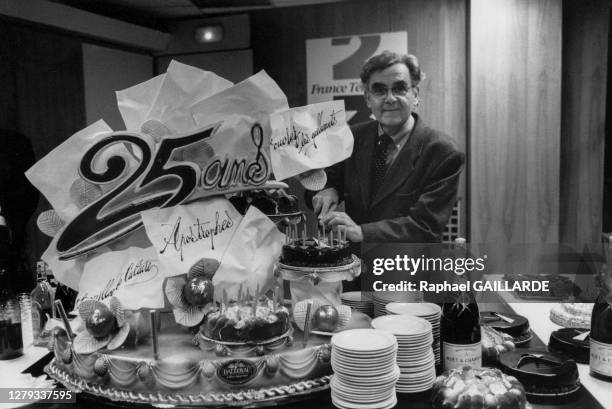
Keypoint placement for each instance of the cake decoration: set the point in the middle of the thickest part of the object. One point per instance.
(105, 326)
(325, 317)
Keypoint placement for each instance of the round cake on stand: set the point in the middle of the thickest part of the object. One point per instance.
(316, 266)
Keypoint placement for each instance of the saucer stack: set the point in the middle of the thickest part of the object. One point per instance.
(359, 301)
(365, 369)
(382, 298)
(429, 311)
(415, 356)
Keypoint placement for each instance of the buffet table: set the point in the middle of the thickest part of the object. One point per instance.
(594, 393)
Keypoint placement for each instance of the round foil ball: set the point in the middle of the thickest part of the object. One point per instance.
(326, 318)
(101, 322)
(198, 291)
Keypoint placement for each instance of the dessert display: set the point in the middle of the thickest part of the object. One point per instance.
(572, 315)
(478, 387)
(514, 325)
(168, 230)
(543, 373)
(572, 342)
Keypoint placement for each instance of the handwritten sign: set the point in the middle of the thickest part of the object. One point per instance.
(310, 137)
(184, 234)
(134, 275)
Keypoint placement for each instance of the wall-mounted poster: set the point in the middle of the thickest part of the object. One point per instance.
(333, 65)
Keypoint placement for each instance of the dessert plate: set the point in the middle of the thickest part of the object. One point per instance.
(363, 341)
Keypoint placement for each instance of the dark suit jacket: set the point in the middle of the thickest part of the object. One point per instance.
(416, 198)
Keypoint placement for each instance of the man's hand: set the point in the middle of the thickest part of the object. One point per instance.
(344, 222)
(325, 201)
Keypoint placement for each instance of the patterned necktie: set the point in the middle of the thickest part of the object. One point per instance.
(379, 162)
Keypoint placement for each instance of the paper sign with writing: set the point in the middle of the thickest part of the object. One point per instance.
(250, 257)
(134, 275)
(309, 137)
(184, 234)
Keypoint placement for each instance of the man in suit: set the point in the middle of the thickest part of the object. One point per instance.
(400, 183)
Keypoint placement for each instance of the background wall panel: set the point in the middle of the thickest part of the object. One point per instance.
(585, 72)
(514, 136)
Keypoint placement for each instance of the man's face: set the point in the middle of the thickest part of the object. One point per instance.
(391, 96)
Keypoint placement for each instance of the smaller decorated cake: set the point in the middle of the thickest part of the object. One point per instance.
(312, 252)
(545, 374)
(514, 325)
(246, 323)
(572, 315)
(469, 387)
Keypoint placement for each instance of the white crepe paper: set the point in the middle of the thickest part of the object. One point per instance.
(55, 174)
(309, 137)
(250, 257)
(135, 276)
(163, 96)
(67, 272)
(184, 234)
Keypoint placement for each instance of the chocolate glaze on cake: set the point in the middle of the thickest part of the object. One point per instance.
(543, 373)
(518, 328)
(309, 253)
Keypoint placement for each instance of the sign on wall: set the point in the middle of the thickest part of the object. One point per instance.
(333, 65)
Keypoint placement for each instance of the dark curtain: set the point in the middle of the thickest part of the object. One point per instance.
(41, 104)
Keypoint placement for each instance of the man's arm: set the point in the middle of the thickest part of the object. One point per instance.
(428, 216)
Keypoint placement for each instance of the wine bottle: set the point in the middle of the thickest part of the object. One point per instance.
(601, 321)
(460, 324)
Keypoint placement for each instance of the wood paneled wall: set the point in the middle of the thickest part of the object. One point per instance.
(436, 35)
(515, 120)
(585, 72)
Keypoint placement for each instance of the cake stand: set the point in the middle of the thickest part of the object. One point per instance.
(324, 283)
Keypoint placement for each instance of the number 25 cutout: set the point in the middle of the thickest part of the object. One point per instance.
(155, 183)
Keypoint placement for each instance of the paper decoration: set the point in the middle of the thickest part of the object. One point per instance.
(309, 137)
(56, 173)
(249, 260)
(135, 276)
(165, 95)
(182, 235)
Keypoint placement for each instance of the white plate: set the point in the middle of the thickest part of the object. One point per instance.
(364, 340)
(403, 325)
(386, 404)
(424, 309)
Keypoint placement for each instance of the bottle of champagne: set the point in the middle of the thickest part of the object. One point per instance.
(601, 321)
(460, 324)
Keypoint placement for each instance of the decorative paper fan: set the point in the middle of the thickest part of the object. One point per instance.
(313, 180)
(83, 193)
(49, 222)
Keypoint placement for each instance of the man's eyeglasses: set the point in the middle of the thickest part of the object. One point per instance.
(380, 91)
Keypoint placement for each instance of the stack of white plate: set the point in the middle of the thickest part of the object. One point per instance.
(382, 298)
(430, 312)
(415, 356)
(365, 369)
(359, 301)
